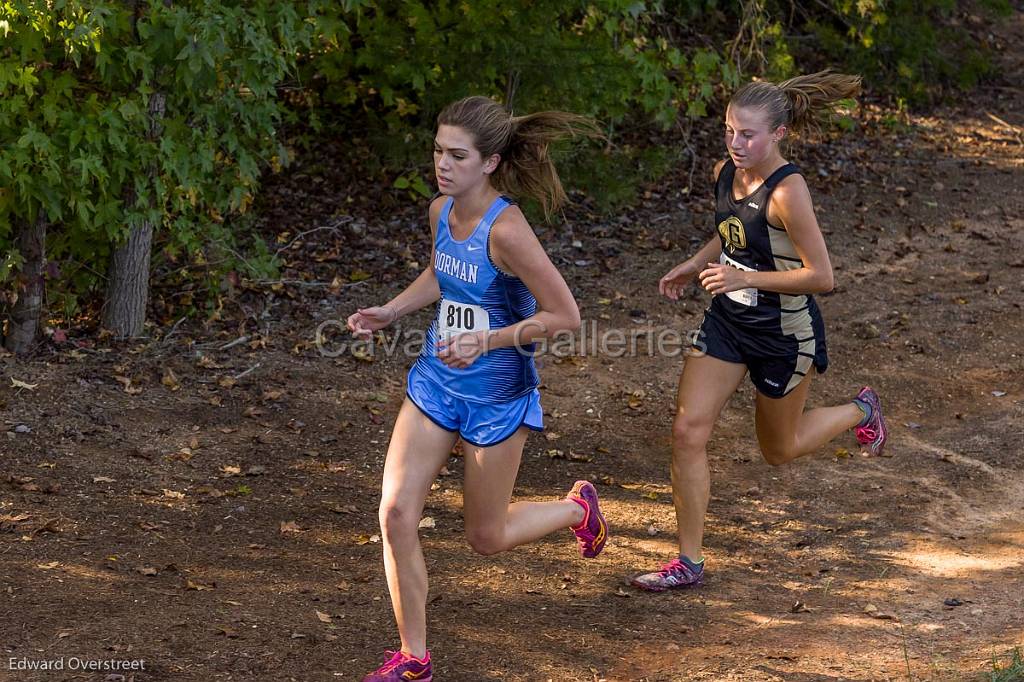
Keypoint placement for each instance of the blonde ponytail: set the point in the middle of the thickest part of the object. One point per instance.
(798, 103)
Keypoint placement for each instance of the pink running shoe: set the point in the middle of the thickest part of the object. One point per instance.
(592, 532)
(402, 667)
(873, 434)
(673, 575)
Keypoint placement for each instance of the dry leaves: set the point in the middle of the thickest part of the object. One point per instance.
(198, 586)
(170, 379)
(126, 383)
(364, 539)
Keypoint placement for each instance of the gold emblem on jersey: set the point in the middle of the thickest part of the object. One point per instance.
(733, 233)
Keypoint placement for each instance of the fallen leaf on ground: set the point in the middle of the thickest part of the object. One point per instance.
(799, 607)
(126, 383)
(206, 362)
(170, 379)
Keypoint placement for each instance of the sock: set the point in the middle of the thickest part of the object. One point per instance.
(694, 566)
(865, 408)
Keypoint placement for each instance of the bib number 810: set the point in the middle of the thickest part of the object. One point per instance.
(459, 317)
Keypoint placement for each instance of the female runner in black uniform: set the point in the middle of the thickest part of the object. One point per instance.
(762, 267)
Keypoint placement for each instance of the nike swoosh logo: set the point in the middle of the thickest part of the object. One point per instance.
(473, 248)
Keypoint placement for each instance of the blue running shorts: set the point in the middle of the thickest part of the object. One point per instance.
(479, 424)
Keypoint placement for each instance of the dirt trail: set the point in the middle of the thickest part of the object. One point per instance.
(224, 530)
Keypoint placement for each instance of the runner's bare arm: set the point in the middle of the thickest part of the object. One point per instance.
(676, 279)
(424, 290)
(516, 250)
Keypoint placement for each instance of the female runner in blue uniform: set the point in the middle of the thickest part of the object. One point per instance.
(496, 293)
(762, 268)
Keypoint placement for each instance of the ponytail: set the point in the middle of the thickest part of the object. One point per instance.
(799, 102)
(526, 168)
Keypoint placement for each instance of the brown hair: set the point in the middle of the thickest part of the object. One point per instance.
(522, 142)
(798, 102)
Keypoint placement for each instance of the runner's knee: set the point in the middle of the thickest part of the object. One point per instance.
(396, 521)
(486, 541)
(778, 453)
(690, 435)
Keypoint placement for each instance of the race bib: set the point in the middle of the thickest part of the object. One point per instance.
(747, 297)
(458, 318)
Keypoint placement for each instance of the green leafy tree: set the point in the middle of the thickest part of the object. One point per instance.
(121, 118)
(390, 66)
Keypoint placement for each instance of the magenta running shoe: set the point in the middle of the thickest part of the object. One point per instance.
(673, 575)
(402, 667)
(592, 532)
(873, 434)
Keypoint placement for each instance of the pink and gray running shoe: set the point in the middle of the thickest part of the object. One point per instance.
(402, 667)
(873, 434)
(592, 532)
(673, 575)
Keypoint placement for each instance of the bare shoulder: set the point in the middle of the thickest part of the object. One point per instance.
(510, 228)
(434, 212)
(791, 189)
(790, 201)
(436, 204)
(511, 239)
(718, 169)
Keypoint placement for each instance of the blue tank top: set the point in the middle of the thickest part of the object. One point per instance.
(476, 296)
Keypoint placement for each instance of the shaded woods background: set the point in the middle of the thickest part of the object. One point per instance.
(134, 134)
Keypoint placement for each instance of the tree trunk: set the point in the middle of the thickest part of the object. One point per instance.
(23, 323)
(124, 311)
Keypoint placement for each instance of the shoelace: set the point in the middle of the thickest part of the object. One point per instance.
(395, 661)
(672, 567)
(867, 433)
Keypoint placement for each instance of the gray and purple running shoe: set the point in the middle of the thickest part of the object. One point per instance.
(673, 575)
(872, 434)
